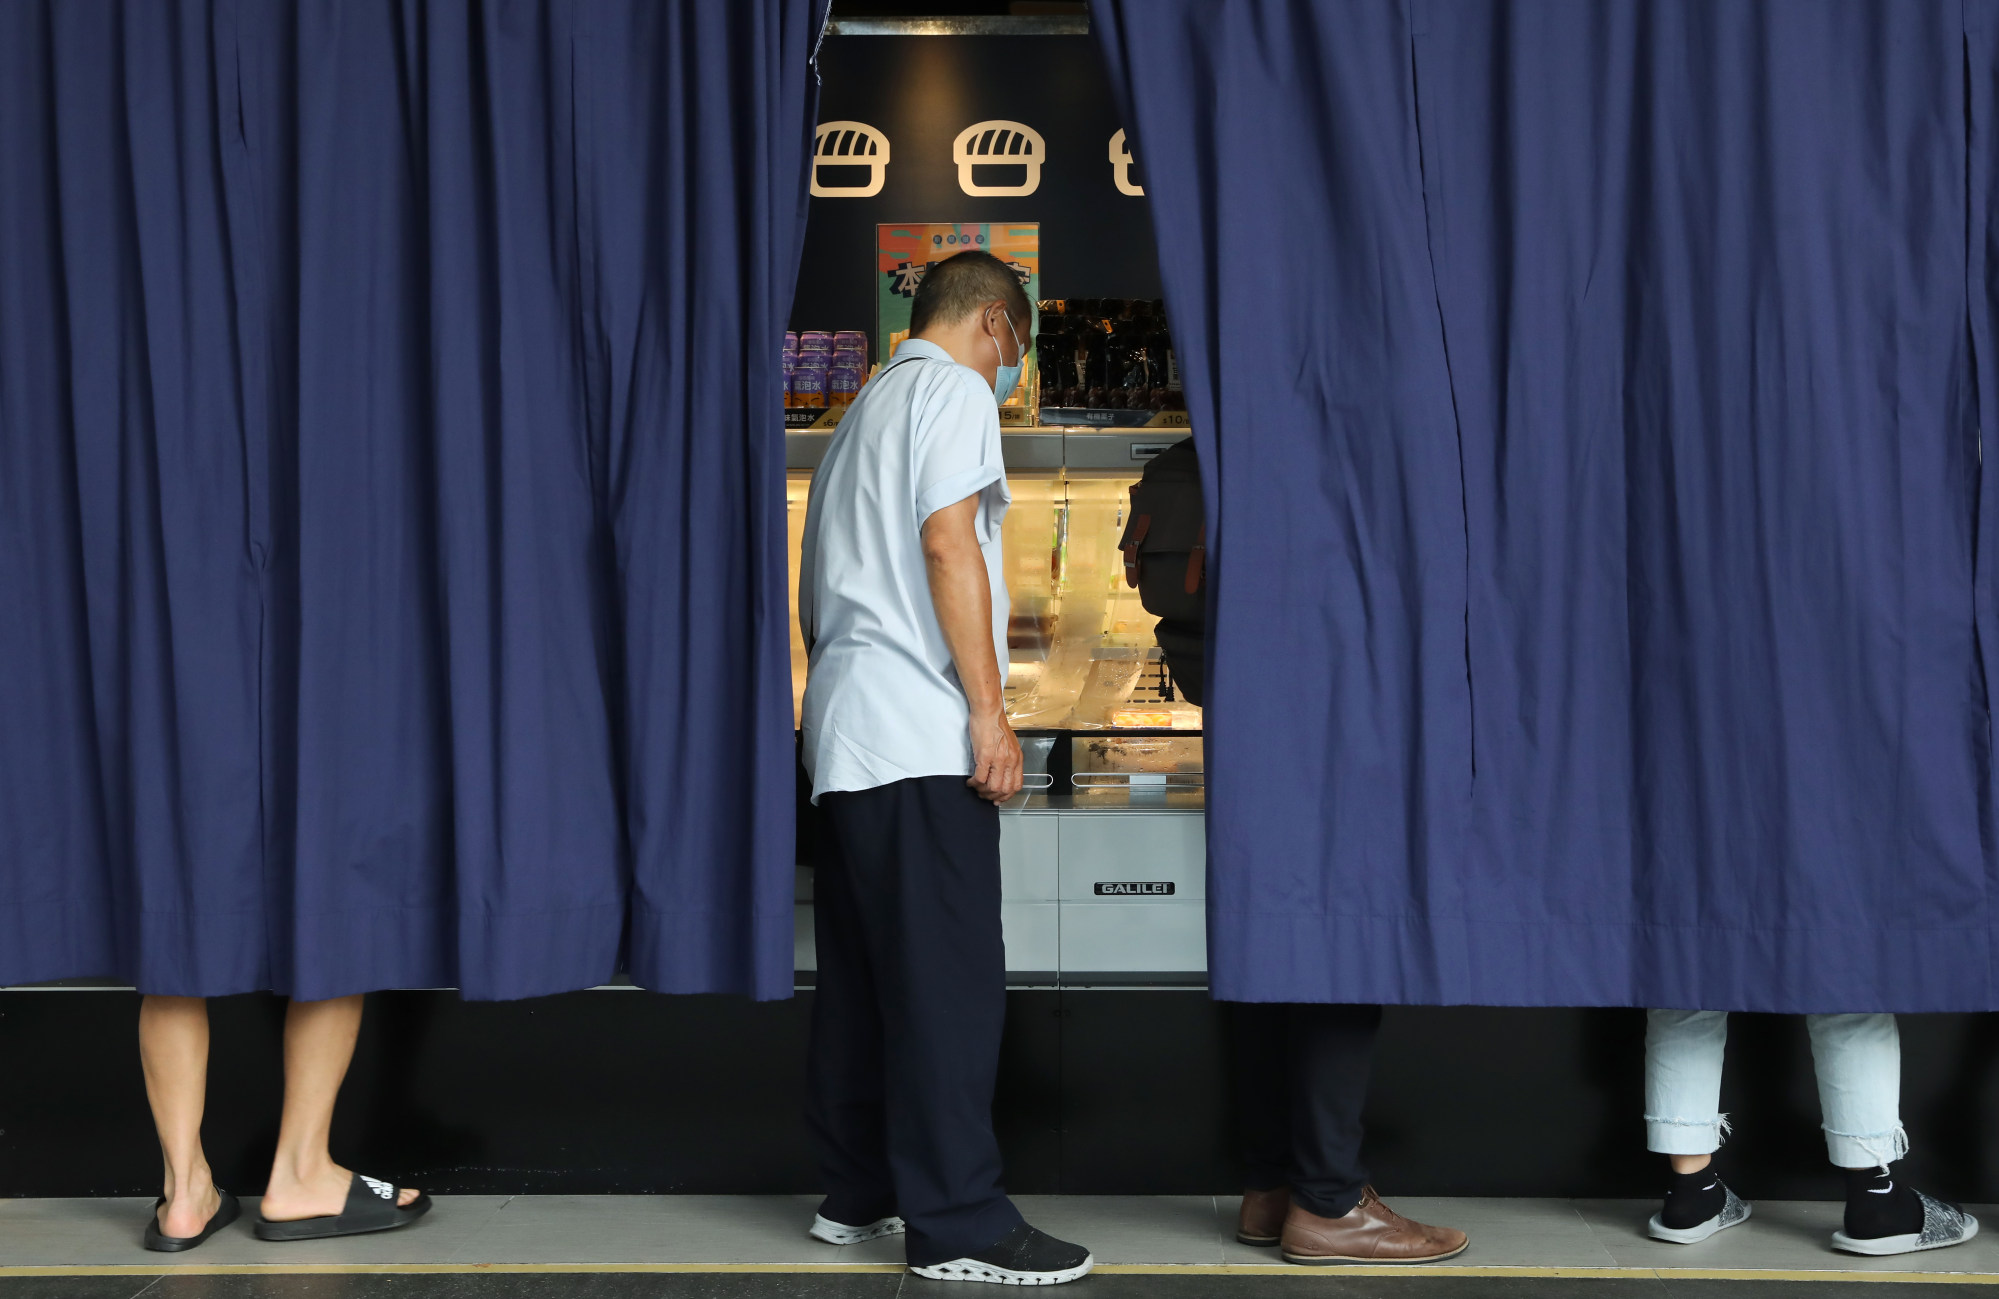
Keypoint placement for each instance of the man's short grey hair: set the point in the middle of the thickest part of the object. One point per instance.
(959, 285)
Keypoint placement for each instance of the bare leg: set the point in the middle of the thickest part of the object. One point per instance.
(173, 1048)
(1684, 1164)
(319, 1043)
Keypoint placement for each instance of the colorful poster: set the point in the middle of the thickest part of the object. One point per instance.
(904, 252)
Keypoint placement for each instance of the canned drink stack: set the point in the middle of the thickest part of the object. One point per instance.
(843, 379)
(808, 382)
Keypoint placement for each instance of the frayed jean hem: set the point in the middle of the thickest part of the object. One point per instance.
(1866, 1149)
(1673, 1136)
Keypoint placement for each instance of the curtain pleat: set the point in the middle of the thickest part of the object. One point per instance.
(392, 499)
(1591, 397)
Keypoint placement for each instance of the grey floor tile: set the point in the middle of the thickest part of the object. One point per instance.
(601, 1285)
(1168, 1230)
(1130, 1228)
(663, 1229)
(1514, 1232)
(60, 1233)
(1781, 1235)
(1684, 1288)
(101, 1232)
(1329, 1283)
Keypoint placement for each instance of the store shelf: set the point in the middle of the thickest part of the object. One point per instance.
(1033, 448)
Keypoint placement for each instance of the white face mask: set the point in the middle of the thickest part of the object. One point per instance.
(1009, 375)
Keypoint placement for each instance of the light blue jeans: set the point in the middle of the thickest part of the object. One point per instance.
(1859, 1063)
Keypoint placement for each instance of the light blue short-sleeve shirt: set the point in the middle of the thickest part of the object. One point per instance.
(882, 698)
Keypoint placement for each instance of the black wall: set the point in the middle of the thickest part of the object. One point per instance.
(921, 91)
(1100, 1092)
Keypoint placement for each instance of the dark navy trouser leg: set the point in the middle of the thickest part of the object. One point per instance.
(1301, 1073)
(907, 914)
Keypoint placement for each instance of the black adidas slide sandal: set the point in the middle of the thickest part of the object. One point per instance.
(225, 1213)
(371, 1206)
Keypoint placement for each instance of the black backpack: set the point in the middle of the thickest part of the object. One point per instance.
(1166, 555)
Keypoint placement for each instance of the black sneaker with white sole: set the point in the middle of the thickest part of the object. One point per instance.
(840, 1233)
(1943, 1225)
(1697, 1206)
(1024, 1256)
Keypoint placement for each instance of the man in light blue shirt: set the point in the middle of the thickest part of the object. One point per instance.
(904, 611)
(913, 478)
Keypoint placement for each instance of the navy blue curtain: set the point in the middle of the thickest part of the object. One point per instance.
(391, 506)
(1590, 398)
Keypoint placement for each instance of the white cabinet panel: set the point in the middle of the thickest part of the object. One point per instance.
(1138, 937)
(1027, 859)
(1033, 936)
(1133, 848)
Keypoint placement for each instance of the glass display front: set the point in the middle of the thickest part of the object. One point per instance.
(1080, 646)
(797, 484)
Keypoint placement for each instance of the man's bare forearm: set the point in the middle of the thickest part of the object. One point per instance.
(964, 601)
(963, 597)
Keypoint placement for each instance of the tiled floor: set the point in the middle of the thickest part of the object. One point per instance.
(569, 1247)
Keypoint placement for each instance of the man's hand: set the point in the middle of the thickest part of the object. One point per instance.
(995, 758)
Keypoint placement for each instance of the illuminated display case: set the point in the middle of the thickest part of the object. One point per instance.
(1080, 645)
(1103, 856)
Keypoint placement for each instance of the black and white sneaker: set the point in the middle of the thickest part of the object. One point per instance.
(1023, 1256)
(1944, 1225)
(1697, 1207)
(840, 1233)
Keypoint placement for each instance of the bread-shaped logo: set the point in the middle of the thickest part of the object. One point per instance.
(999, 144)
(1121, 167)
(849, 144)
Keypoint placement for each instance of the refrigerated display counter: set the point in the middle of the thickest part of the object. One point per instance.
(1103, 857)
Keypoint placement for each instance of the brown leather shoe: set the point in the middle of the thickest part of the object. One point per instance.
(1371, 1233)
(1262, 1219)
